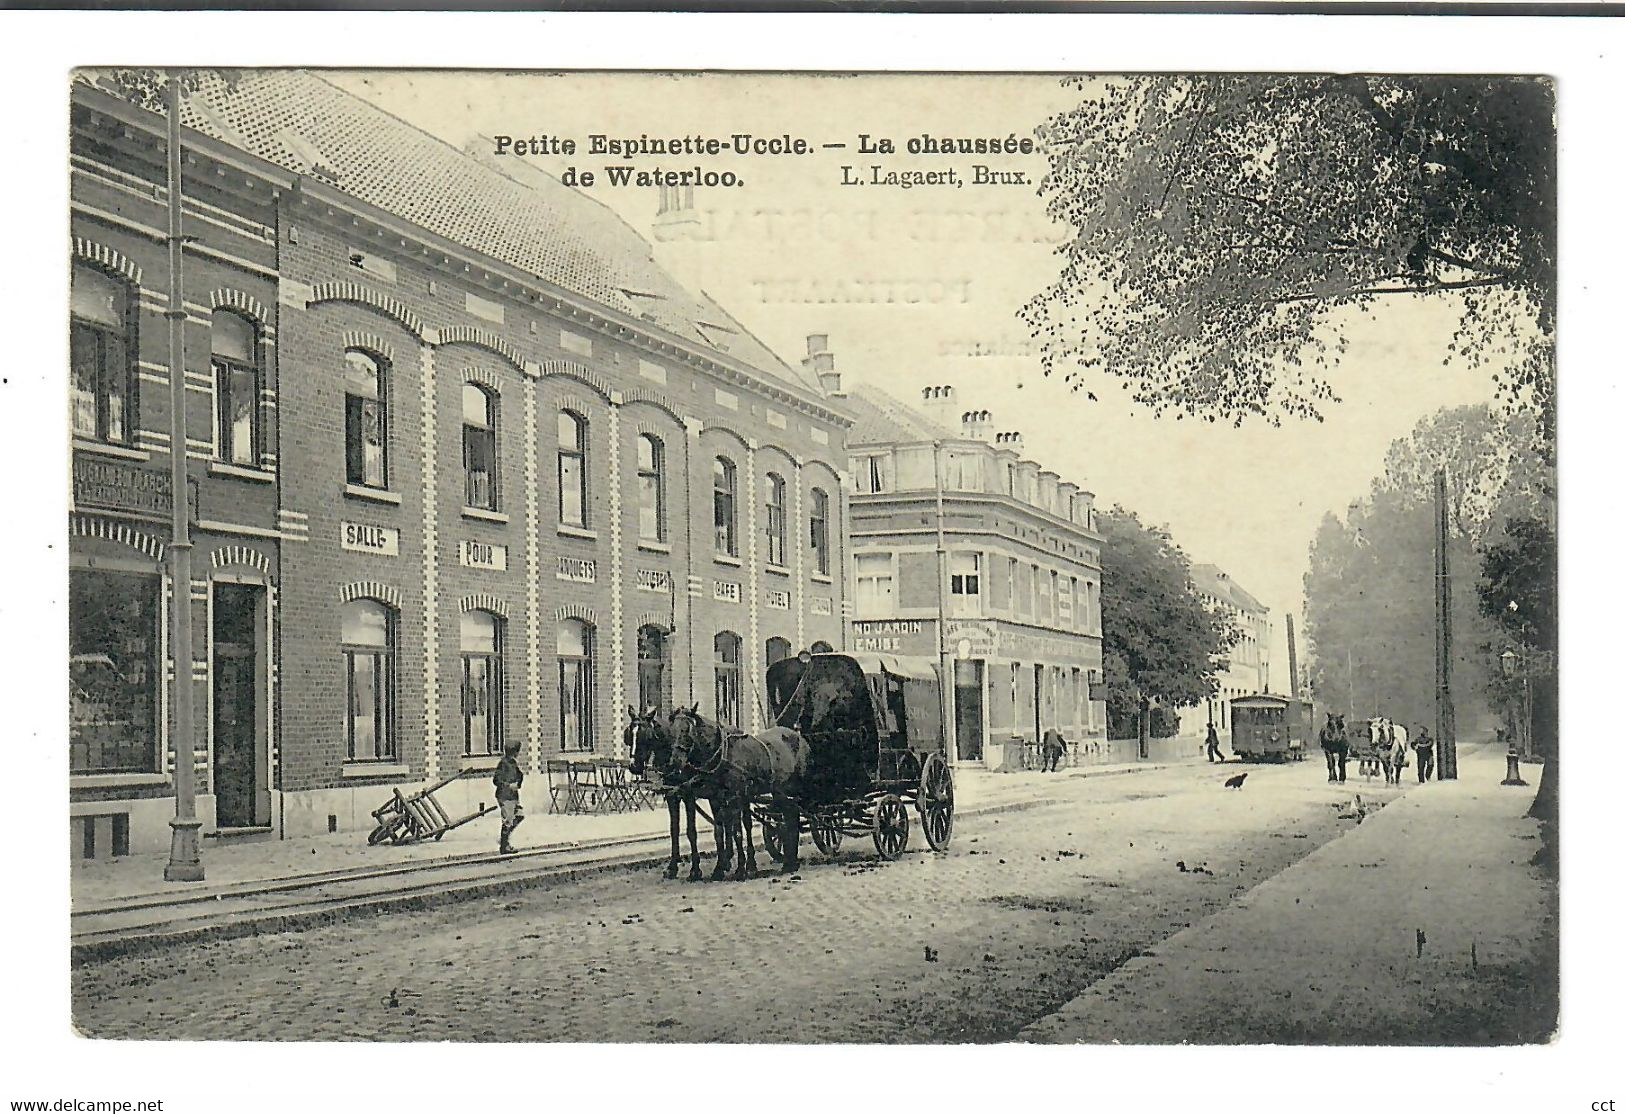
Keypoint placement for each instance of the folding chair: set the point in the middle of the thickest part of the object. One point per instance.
(586, 795)
(560, 784)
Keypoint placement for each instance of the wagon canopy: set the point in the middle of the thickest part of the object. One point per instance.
(889, 699)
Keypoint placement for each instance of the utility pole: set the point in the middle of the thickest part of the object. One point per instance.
(1292, 656)
(945, 665)
(185, 862)
(1446, 708)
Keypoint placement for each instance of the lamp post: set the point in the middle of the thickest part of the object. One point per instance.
(1510, 663)
(185, 863)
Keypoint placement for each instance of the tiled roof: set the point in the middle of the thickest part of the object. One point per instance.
(1215, 581)
(306, 124)
(879, 418)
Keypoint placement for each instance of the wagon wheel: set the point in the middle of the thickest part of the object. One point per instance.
(826, 834)
(936, 802)
(890, 827)
(388, 828)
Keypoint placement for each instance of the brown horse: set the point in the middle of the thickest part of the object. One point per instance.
(649, 744)
(735, 768)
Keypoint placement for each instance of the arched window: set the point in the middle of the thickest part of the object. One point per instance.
(822, 647)
(233, 357)
(480, 447)
(652, 662)
(651, 488)
(575, 652)
(481, 642)
(366, 419)
(775, 519)
(818, 525)
(729, 686)
(777, 650)
(367, 635)
(572, 469)
(724, 482)
(102, 342)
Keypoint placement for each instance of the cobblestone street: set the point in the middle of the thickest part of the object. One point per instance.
(1028, 908)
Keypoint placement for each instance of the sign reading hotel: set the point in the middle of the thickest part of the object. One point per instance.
(779, 599)
(892, 636)
(484, 555)
(362, 537)
(582, 570)
(654, 580)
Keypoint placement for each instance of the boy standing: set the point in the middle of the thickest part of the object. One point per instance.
(508, 778)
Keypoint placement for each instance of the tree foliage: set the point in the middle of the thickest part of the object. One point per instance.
(1227, 228)
(1161, 644)
(1369, 592)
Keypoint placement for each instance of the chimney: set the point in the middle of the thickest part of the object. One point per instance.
(977, 424)
(821, 362)
(677, 233)
(938, 404)
(1010, 439)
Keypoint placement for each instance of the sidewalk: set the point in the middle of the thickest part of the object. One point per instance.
(254, 885)
(1327, 951)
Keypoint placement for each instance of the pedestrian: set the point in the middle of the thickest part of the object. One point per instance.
(1213, 753)
(1054, 750)
(1423, 746)
(507, 779)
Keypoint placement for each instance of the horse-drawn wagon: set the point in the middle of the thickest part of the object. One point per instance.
(875, 749)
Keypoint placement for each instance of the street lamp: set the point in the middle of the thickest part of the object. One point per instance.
(1510, 669)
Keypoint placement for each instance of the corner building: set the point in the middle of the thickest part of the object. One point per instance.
(1017, 603)
(527, 479)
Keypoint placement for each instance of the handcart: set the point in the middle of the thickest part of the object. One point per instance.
(407, 819)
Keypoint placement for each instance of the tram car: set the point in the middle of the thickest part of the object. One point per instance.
(1268, 728)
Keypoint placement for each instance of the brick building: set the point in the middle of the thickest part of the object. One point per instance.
(1248, 662)
(1019, 596)
(513, 477)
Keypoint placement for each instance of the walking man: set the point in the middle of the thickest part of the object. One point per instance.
(507, 779)
(1213, 753)
(1423, 746)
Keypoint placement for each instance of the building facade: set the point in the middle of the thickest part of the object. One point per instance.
(1015, 601)
(503, 476)
(1247, 671)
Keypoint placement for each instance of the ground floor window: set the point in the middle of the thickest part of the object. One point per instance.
(113, 622)
(728, 679)
(481, 635)
(367, 631)
(652, 670)
(777, 650)
(575, 648)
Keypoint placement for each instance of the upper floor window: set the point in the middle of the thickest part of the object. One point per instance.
(724, 504)
(236, 366)
(366, 420)
(873, 583)
(965, 582)
(572, 469)
(102, 345)
(651, 488)
(775, 519)
(964, 472)
(874, 473)
(479, 447)
(818, 522)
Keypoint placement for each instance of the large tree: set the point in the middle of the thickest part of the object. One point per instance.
(1161, 644)
(1227, 230)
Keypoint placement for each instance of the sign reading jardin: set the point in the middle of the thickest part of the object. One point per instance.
(484, 555)
(891, 636)
(362, 537)
(114, 486)
(583, 570)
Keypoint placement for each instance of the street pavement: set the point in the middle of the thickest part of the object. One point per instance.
(1031, 907)
(1427, 925)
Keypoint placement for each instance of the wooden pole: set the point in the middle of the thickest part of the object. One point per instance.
(1446, 710)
